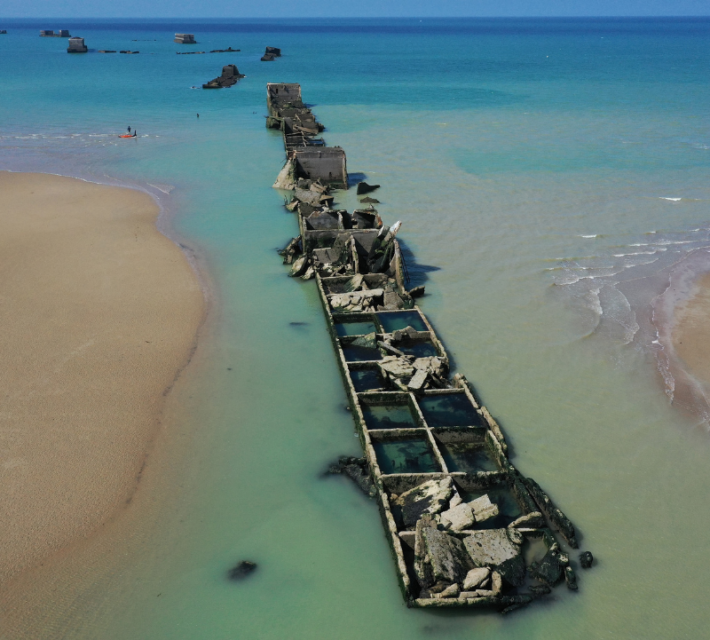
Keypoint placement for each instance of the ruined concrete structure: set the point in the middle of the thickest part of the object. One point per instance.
(466, 528)
(76, 45)
(48, 33)
(271, 54)
(230, 76)
(307, 155)
(185, 38)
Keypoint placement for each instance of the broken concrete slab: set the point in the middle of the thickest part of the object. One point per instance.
(483, 509)
(430, 497)
(396, 366)
(494, 548)
(418, 380)
(458, 518)
(439, 556)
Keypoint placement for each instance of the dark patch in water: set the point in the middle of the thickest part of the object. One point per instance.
(242, 570)
(298, 324)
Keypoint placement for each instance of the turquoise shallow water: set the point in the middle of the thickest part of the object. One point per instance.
(529, 162)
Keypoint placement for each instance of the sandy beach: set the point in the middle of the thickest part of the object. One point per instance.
(100, 314)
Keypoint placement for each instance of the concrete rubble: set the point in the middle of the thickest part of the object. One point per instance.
(466, 529)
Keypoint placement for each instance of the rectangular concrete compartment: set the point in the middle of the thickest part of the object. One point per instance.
(449, 409)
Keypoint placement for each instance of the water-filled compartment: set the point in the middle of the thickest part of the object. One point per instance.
(418, 349)
(470, 457)
(355, 353)
(406, 455)
(389, 416)
(449, 410)
(397, 320)
(366, 379)
(357, 328)
(501, 495)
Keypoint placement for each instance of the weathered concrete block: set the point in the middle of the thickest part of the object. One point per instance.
(458, 518)
(428, 498)
(494, 548)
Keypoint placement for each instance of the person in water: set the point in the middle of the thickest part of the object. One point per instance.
(129, 129)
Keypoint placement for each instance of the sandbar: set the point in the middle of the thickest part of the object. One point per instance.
(691, 335)
(99, 315)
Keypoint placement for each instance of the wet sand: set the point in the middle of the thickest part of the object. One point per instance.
(691, 335)
(99, 315)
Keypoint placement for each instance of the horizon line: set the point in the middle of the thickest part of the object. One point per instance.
(286, 17)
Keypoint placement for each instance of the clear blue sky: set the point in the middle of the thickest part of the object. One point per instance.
(348, 8)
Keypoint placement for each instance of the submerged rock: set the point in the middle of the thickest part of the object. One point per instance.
(586, 559)
(549, 569)
(242, 570)
(363, 188)
(570, 578)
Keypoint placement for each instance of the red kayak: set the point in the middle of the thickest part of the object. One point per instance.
(125, 135)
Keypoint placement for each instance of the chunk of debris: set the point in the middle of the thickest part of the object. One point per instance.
(430, 497)
(396, 367)
(242, 570)
(358, 470)
(533, 520)
(548, 570)
(494, 548)
(570, 578)
(458, 518)
(418, 380)
(586, 559)
(451, 591)
(230, 76)
(417, 292)
(369, 200)
(368, 341)
(439, 557)
(363, 188)
(483, 509)
(356, 300)
(476, 578)
(299, 267)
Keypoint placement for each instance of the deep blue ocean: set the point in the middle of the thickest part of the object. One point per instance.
(551, 177)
